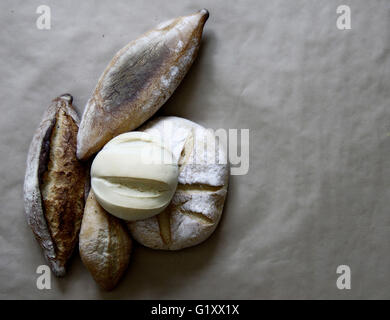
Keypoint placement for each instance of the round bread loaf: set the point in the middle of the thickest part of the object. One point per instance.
(134, 177)
(197, 204)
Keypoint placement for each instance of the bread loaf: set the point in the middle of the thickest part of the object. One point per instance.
(54, 184)
(138, 81)
(197, 204)
(105, 244)
(134, 176)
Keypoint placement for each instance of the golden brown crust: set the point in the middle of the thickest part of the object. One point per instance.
(63, 187)
(105, 245)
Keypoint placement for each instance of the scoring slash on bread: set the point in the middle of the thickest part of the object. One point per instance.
(197, 204)
(54, 184)
(105, 244)
(138, 81)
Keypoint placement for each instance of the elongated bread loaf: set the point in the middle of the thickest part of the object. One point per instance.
(54, 184)
(197, 205)
(138, 81)
(105, 244)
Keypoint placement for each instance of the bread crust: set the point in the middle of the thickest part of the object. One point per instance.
(138, 81)
(105, 245)
(54, 184)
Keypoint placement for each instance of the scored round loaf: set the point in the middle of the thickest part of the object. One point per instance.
(197, 204)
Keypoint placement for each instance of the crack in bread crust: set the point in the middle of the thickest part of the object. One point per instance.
(164, 225)
(63, 186)
(164, 218)
(197, 216)
(187, 150)
(197, 187)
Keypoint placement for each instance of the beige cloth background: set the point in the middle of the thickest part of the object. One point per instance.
(316, 101)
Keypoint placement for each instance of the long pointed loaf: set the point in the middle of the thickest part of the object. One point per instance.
(138, 81)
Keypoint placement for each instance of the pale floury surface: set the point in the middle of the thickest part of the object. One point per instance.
(316, 101)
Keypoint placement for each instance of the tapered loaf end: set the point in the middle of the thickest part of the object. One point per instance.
(67, 97)
(57, 268)
(205, 14)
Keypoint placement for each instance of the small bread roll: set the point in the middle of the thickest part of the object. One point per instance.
(134, 176)
(197, 204)
(104, 244)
